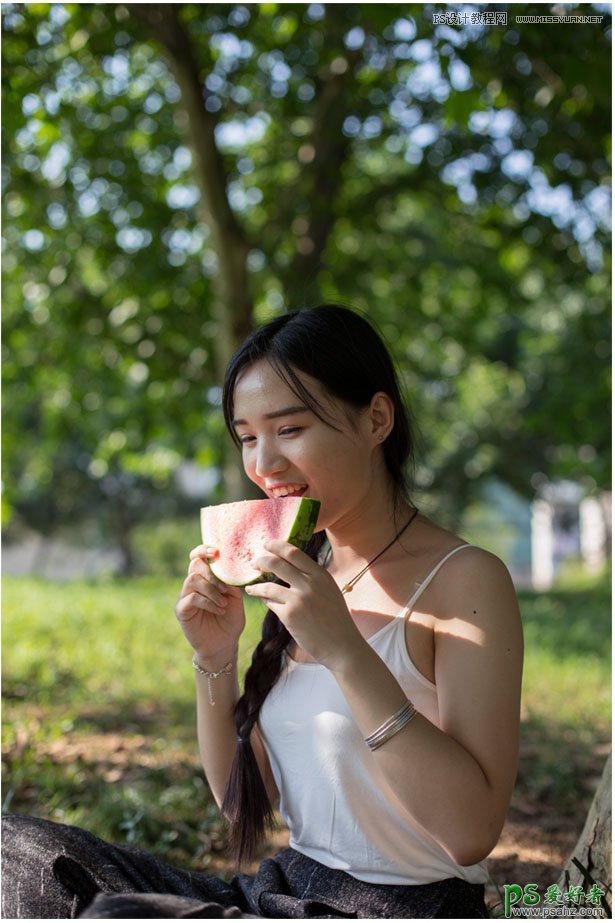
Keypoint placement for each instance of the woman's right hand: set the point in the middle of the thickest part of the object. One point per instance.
(210, 613)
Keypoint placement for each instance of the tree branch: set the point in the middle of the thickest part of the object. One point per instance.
(235, 302)
(321, 178)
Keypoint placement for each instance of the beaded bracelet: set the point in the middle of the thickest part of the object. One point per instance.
(392, 726)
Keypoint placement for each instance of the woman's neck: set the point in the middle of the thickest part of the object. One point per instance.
(356, 538)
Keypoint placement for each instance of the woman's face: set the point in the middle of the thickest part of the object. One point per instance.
(288, 451)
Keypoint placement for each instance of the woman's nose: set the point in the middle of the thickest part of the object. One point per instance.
(269, 460)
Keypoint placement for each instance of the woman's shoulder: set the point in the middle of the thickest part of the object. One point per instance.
(475, 566)
(462, 566)
(475, 600)
(437, 542)
(464, 593)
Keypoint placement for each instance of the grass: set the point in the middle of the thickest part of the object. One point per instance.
(99, 708)
(99, 713)
(566, 694)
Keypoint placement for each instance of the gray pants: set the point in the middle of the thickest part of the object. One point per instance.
(52, 871)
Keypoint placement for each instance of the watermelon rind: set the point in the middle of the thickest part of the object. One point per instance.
(300, 533)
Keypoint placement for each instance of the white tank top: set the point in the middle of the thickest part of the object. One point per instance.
(331, 796)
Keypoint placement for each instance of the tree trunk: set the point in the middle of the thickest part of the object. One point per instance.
(325, 153)
(233, 303)
(590, 861)
(123, 525)
(605, 500)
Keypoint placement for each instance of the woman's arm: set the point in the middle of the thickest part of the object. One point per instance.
(216, 731)
(217, 734)
(212, 618)
(456, 780)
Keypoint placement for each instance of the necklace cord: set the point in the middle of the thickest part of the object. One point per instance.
(348, 586)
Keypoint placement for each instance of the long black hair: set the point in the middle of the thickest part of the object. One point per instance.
(341, 350)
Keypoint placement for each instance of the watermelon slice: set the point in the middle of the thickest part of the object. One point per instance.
(240, 530)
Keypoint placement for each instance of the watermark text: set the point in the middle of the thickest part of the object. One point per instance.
(496, 18)
(464, 18)
(525, 902)
(572, 18)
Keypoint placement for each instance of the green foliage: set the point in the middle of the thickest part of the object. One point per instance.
(107, 361)
(161, 548)
(451, 182)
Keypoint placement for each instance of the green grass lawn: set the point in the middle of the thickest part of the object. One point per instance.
(99, 712)
(99, 708)
(566, 696)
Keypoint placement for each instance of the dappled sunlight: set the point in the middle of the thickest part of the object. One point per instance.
(456, 177)
(451, 180)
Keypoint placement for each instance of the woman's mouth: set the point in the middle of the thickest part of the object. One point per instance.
(287, 490)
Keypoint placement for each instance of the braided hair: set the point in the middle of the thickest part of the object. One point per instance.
(340, 349)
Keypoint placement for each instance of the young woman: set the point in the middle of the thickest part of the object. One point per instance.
(381, 709)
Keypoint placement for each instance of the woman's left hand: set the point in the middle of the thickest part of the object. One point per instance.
(311, 607)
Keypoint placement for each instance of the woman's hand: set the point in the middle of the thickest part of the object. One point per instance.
(210, 613)
(311, 607)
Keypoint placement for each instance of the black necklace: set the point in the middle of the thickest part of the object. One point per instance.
(348, 586)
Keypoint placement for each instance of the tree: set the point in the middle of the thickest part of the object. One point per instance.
(591, 860)
(450, 180)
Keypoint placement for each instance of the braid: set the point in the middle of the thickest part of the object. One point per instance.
(246, 804)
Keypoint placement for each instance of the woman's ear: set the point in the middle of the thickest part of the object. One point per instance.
(381, 416)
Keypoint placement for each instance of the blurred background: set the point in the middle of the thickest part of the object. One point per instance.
(174, 175)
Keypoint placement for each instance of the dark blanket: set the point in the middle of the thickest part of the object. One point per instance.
(52, 871)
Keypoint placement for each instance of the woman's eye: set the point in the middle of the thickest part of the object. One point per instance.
(285, 431)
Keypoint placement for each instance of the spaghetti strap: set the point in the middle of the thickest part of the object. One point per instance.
(425, 583)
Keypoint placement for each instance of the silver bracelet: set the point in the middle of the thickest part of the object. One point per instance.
(225, 671)
(391, 727)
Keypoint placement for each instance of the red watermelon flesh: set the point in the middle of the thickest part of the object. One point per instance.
(239, 531)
